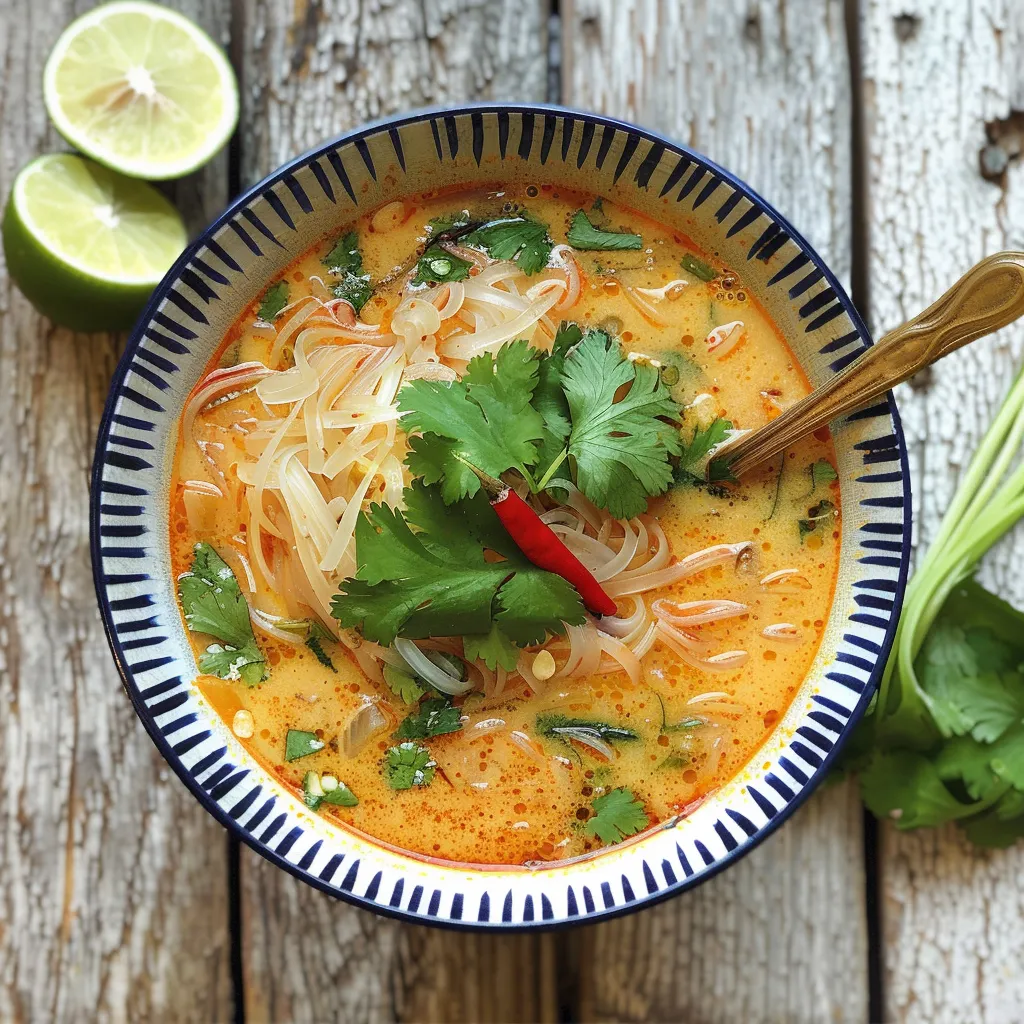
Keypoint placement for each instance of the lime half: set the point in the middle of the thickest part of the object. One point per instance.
(141, 89)
(87, 246)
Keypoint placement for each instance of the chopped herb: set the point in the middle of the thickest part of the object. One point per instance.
(778, 487)
(435, 717)
(326, 789)
(275, 298)
(408, 765)
(696, 266)
(525, 241)
(485, 419)
(677, 759)
(583, 235)
(549, 398)
(440, 583)
(438, 266)
(616, 816)
(695, 467)
(212, 603)
(821, 472)
(818, 514)
(555, 725)
(449, 222)
(403, 685)
(493, 649)
(346, 261)
(621, 447)
(301, 744)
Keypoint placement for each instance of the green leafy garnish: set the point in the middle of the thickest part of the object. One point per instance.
(554, 726)
(440, 584)
(346, 261)
(617, 815)
(694, 465)
(301, 744)
(485, 419)
(275, 298)
(583, 235)
(696, 266)
(821, 472)
(435, 717)
(325, 789)
(823, 513)
(525, 241)
(621, 447)
(408, 765)
(213, 604)
(403, 685)
(493, 648)
(340, 796)
(549, 398)
(315, 642)
(448, 222)
(438, 266)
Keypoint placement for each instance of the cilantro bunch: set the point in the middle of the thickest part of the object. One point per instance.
(944, 738)
(612, 420)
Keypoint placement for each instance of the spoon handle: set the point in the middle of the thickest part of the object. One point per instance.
(989, 296)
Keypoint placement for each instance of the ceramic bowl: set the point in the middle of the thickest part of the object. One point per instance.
(245, 250)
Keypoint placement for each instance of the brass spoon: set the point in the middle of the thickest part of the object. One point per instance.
(989, 296)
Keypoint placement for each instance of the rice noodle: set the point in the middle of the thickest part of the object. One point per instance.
(782, 631)
(697, 613)
(699, 561)
(423, 667)
(678, 643)
(785, 581)
(722, 340)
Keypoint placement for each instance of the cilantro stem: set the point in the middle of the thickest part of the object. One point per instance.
(778, 487)
(545, 479)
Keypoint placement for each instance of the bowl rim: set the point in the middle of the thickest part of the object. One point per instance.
(210, 805)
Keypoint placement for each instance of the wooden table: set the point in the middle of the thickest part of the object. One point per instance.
(120, 899)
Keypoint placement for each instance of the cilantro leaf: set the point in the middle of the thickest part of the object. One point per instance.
(425, 509)
(964, 759)
(553, 725)
(583, 235)
(549, 398)
(696, 266)
(408, 765)
(485, 418)
(212, 603)
(438, 266)
(1008, 757)
(621, 448)
(275, 298)
(440, 584)
(493, 649)
(346, 261)
(694, 467)
(992, 831)
(435, 717)
(525, 241)
(301, 744)
(822, 513)
(617, 814)
(340, 796)
(315, 642)
(822, 472)
(905, 786)
(403, 685)
(448, 222)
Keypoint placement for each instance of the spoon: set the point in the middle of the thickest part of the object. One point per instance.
(989, 296)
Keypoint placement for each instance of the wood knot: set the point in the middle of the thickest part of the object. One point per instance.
(906, 26)
(1003, 146)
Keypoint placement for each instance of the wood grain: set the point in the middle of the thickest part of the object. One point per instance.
(934, 75)
(313, 69)
(112, 895)
(762, 87)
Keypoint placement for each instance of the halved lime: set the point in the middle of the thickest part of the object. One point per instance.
(141, 89)
(86, 245)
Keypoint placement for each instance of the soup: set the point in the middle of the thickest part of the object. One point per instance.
(458, 560)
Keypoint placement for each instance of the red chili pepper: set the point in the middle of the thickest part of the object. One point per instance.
(541, 546)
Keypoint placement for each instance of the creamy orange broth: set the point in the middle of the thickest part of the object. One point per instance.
(533, 809)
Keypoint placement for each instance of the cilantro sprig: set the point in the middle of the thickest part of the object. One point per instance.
(274, 299)
(438, 266)
(516, 238)
(439, 582)
(213, 604)
(617, 815)
(346, 262)
(408, 765)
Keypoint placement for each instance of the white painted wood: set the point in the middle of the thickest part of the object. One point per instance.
(113, 880)
(311, 70)
(933, 74)
(762, 86)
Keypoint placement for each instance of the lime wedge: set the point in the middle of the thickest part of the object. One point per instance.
(87, 246)
(141, 89)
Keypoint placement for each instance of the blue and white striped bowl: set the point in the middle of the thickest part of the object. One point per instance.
(236, 258)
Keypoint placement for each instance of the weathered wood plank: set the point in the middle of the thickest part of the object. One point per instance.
(310, 70)
(110, 868)
(933, 75)
(762, 87)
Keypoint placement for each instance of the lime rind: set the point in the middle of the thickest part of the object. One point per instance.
(141, 89)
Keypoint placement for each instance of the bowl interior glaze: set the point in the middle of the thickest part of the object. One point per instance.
(244, 251)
